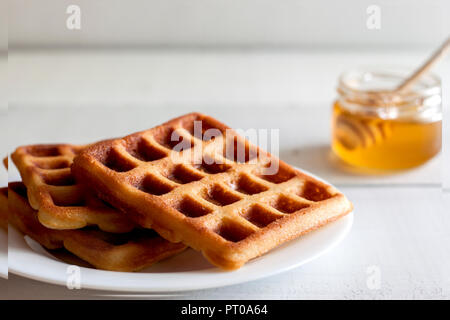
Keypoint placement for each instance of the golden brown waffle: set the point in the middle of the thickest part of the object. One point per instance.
(62, 202)
(4, 208)
(215, 195)
(131, 251)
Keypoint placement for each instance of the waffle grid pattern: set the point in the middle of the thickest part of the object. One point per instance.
(212, 189)
(62, 202)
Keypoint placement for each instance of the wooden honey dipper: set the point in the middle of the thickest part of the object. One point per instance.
(366, 133)
(424, 68)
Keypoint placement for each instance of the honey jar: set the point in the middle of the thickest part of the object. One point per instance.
(375, 127)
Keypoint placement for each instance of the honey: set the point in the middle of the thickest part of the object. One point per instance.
(389, 132)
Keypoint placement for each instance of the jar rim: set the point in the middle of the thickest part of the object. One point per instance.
(430, 82)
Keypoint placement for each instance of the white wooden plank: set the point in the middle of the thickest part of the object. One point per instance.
(222, 23)
(117, 78)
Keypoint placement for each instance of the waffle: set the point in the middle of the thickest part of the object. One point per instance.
(208, 188)
(108, 251)
(61, 201)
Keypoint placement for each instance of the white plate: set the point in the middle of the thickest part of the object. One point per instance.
(186, 271)
(3, 254)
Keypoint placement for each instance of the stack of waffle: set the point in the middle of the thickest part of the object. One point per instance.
(56, 211)
(126, 203)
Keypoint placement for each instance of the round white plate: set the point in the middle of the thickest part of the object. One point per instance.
(184, 272)
(3, 254)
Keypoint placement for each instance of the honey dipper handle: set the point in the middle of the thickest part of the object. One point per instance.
(443, 49)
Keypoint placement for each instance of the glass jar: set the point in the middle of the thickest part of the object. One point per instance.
(375, 128)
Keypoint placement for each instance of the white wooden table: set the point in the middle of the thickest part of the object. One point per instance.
(402, 221)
